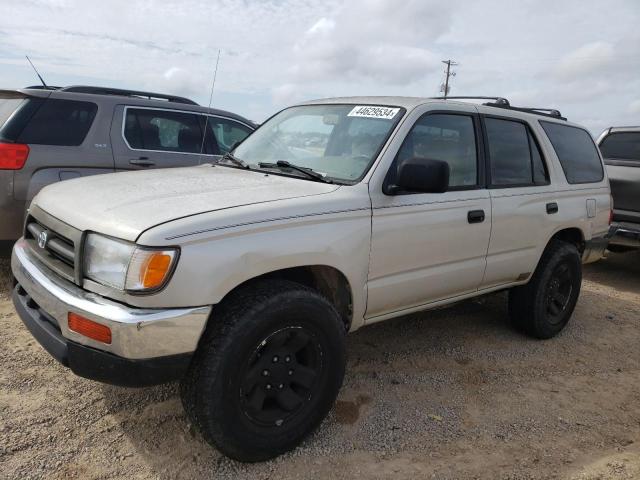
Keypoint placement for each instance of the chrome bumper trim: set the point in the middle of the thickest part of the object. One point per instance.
(137, 333)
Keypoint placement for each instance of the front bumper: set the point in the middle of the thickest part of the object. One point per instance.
(149, 346)
(625, 234)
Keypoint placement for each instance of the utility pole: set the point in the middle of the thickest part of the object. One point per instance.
(445, 88)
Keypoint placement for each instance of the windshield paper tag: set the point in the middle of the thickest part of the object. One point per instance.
(373, 112)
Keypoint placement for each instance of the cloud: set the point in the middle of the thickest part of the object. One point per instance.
(344, 47)
(583, 59)
(634, 108)
(182, 82)
(587, 60)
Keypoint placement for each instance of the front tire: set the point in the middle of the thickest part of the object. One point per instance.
(543, 307)
(267, 371)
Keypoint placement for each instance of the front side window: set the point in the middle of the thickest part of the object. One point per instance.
(59, 122)
(514, 154)
(445, 137)
(622, 146)
(338, 141)
(576, 151)
(223, 134)
(163, 130)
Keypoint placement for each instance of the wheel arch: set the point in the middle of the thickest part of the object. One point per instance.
(326, 280)
(572, 235)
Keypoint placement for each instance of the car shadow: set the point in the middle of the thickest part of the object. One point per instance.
(407, 375)
(155, 423)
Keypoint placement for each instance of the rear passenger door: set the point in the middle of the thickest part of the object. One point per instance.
(144, 137)
(522, 199)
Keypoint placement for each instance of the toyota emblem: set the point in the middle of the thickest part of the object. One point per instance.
(42, 239)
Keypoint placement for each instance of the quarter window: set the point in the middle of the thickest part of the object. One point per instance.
(576, 151)
(163, 130)
(446, 137)
(514, 154)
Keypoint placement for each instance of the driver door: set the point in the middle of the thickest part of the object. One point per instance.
(427, 247)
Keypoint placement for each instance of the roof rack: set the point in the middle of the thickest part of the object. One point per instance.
(126, 93)
(42, 87)
(497, 100)
(500, 102)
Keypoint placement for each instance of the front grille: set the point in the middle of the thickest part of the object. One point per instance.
(55, 250)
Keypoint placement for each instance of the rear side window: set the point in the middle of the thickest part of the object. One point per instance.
(59, 122)
(514, 154)
(163, 130)
(576, 151)
(622, 146)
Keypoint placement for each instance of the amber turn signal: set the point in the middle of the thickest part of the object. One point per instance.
(155, 269)
(89, 328)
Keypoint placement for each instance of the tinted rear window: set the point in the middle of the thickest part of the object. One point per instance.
(59, 122)
(576, 151)
(622, 146)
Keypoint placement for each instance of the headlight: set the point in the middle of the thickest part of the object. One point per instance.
(125, 266)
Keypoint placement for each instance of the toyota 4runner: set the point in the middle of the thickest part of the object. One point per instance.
(242, 278)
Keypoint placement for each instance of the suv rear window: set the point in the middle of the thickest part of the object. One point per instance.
(59, 122)
(621, 146)
(576, 151)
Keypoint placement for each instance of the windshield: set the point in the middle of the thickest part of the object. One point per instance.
(338, 141)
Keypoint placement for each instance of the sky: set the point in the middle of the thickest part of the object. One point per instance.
(581, 57)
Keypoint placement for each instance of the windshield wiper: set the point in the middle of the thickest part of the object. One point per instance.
(233, 159)
(309, 172)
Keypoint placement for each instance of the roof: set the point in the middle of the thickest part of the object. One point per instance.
(412, 102)
(114, 98)
(405, 102)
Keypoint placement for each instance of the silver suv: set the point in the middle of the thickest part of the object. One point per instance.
(242, 278)
(48, 135)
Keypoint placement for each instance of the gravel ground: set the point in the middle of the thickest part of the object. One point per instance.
(453, 393)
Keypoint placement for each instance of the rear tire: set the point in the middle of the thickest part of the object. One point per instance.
(543, 307)
(267, 371)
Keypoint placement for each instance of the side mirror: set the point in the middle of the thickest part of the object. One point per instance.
(422, 175)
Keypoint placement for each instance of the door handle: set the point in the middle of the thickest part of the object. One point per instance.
(552, 208)
(142, 162)
(475, 216)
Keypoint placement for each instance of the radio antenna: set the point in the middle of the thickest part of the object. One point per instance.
(34, 69)
(206, 121)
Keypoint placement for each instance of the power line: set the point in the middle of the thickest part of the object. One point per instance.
(449, 73)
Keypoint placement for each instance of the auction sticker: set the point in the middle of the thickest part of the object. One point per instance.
(369, 111)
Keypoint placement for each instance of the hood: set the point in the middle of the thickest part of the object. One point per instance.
(125, 204)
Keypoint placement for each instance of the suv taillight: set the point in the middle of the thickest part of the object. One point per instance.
(13, 156)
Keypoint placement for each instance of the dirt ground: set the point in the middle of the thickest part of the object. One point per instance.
(454, 393)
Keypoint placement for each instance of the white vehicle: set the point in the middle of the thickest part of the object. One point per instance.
(242, 278)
